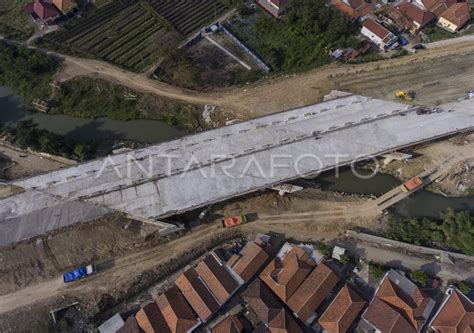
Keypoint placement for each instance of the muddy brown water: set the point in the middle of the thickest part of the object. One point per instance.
(12, 111)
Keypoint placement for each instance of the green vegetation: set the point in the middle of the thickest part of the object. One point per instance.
(376, 270)
(14, 20)
(419, 277)
(324, 248)
(27, 72)
(27, 135)
(454, 230)
(435, 33)
(301, 39)
(464, 286)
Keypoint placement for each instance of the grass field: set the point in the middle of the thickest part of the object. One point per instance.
(133, 34)
(14, 20)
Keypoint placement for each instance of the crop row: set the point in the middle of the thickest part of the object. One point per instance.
(186, 16)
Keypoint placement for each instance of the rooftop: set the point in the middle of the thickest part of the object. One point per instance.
(231, 324)
(456, 314)
(249, 261)
(376, 28)
(177, 313)
(283, 276)
(151, 320)
(343, 311)
(458, 14)
(415, 13)
(313, 291)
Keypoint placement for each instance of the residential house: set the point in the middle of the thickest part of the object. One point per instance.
(65, 6)
(398, 306)
(274, 7)
(198, 295)
(231, 324)
(437, 7)
(178, 315)
(378, 34)
(354, 8)
(455, 17)
(249, 261)
(312, 292)
(287, 271)
(343, 311)
(420, 17)
(151, 320)
(456, 314)
(42, 10)
(269, 310)
(217, 277)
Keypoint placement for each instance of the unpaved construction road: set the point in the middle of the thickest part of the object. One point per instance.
(441, 73)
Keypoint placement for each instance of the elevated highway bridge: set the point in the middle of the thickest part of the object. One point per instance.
(177, 176)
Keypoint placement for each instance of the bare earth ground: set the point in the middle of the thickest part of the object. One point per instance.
(438, 74)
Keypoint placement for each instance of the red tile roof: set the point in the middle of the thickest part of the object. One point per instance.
(354, 8)
(343, 311)
(313, 291)
(284, 276)
(458, 14)
(437, 6)
(217, 278)
(151, 320)
(376, 28)
(456, 315)
(406, 309)
(177, 313)
(231, 324)
(268, 309)
(43, 9)
(416, 14)
(197, 294)
(249, 261)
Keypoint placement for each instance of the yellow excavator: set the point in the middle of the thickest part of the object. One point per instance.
(406, 95)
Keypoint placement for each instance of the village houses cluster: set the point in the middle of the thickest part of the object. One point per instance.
(274, 286)
(384, 22)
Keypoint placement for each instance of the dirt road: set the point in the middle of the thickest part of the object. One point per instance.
(440, 73)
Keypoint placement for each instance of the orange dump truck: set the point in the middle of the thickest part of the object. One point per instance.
(234, 221)
(412, 184)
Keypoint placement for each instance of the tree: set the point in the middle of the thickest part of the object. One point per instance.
(81, 151)
(458, 230)
(376, 270)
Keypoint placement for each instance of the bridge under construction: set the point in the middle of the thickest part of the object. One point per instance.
(177, 176)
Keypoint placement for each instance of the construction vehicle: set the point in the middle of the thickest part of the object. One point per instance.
(412, 184)
(79, 273)
(234, 221)
(406, 95)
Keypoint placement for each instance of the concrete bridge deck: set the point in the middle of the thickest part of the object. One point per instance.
(212, 166)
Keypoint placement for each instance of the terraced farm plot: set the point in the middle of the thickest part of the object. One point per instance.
(122, 32)
(187, 16)
(133, 34)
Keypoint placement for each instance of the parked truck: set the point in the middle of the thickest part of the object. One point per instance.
(79, 273)
(234, 221)
(412, 184)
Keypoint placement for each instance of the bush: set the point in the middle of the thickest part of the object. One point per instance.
(377, 271)
(324, 248)
(419, 277)
(464, 286)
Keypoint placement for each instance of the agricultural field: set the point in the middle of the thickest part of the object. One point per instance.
(134, 34)
(187, 16)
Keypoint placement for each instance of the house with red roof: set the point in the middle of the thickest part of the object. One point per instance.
(65, 6)
(437, 7)
(378, 34)
(455, 17)
(317, 286)
(274, 7)
(266, 306)
(356, 9)
(42, 10)
(284, 274)
(456, 314)
(398, 306)
(343, 311)
(420, 17)
(231, 324)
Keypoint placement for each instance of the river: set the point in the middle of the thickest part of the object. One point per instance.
(13, 111)
(423, 203)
